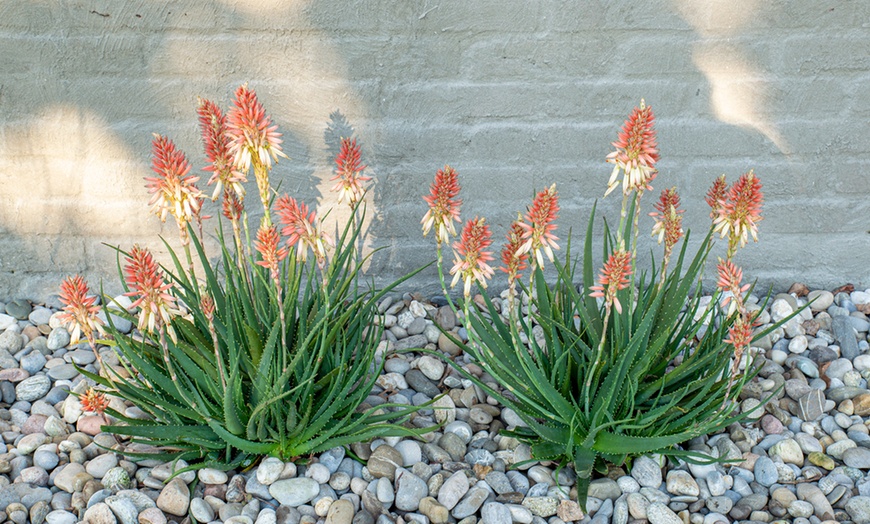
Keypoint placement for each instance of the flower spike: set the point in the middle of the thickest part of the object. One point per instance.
(173, 190)
(80, 310)
(348, 172)
(614, 277)
(538, 232)
(443, 205)
(716, 195)
(740, 213)
(267, 245)
(730, 278)
(636, 152)
(668, 217)
(299, 225)
(145, 280)
(512, 259)
(471, 260)
(216, 140)
(253, 138)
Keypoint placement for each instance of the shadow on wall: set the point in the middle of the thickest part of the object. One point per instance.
(86, 84)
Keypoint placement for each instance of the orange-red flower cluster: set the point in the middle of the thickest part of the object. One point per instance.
(232, 206)
(669, 219)
(614, 277)
(80, 310)
(348, 172)
(173, 190)
(636, 152)
(252, 135)
(207, 306)
(94, 401)
(301, 226)
(740, 212)
(471, 259)
(538, 229)
(145, 280)
(213, 124)
(443, 205)
(267, 244)
(514, 261)
(740, 336)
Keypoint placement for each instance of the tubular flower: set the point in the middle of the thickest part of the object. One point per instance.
(215, 138)
(267, 244)
(538, 232)
(299, 225)
(145, 280)
(94, 401)
(740, 213)
(668, 217)
(471, 260)
(614, 277)
(348, 172)
(80, 310)
(252, 135)
(730, 278)
(443, 205)
(716, 195)
(173, 191)
(636, 152)
(513, 260)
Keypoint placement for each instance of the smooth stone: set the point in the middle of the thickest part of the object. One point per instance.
(858, 457)
(496, 513)
(420, 383)
(606, 488)
(100, 513)
(659, 513)
(216, 476)
(152, 516)
(19, 309)
(470, 503)
(837, 449)
(812, 494)
(542, 506)
(58, 338)
(340, 512)
(69, 477)
(858, 509)
(789, 451)
(101, 464)
(116, 479)
(60, 516)
(820, 300)
(384, 461)
(431, 367)
(410, 489)
(294, 492)
(11, 341)
(765, 472)
(845, 392)
(174, 498)
(32, 388)
(646, 472)
(844, 333)
(410, 451)
(126, 509)
(681, 483)
(453, 489)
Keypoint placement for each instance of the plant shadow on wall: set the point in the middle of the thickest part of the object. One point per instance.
(622, 365)
(271, 350)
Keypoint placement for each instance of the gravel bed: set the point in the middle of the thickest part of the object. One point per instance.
(803, 458)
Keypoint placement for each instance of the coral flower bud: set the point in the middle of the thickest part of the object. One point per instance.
(267, 245)
(470, 261)
(614, 277)
(716, 195)
(636, 152)
(80, 310)
(348, 172)
(730, 278)
(145, 280)
(739, 335)
(173, 190)
(538, 229)
(300, 226)
(740, 213)
(513, 261)
(216, 140)
(668, 217)
(252, 135)
(443, 205)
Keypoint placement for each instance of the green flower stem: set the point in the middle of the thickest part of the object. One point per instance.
(598, 352)
(217, 354)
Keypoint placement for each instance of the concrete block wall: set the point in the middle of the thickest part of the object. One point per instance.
(514, 94)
